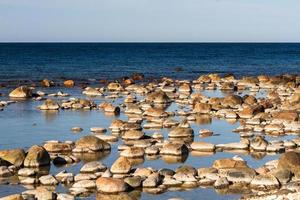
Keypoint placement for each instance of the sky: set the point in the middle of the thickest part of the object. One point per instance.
(149, 21)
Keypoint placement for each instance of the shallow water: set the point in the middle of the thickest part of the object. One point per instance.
(22, 125)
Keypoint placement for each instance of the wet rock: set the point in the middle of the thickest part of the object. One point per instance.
(265, 181)
(111, 185)
(152, 181)
(259, 143)
(202, 108)
(133, 135)
(229, 163)
(92, 92)
(76, 129)
(21, 92)
(13, 156)
(133, 152)
(134, 182)
(158, 97)
(69, 83)
(181, 132)
(49, 104)
(203, 146)
(37, 156)
(48, 180)
(185, 173)
(153, 150)
(98, 129)
(88, 184)
(65, 197)
(81, 177)
(4, 172)
(121, 166)
(115, 87)
(221, 183)
(286, 115)
(26, 172)
(13, 197)
(232, 101)
(55, 147)
(93, 167)
(90, 144)
(290, 161)
(65, 177)
(174, 149)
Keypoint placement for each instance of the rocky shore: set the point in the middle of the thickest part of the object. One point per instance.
(273, 115)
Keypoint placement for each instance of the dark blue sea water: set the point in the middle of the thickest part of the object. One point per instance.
(34, 61)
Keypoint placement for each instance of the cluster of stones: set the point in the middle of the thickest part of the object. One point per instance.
(146, 107)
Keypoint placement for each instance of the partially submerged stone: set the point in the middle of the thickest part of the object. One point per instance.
(37, 156)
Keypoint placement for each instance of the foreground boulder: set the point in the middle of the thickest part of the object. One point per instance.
(290, 161)
(37, 156)
(14, 156)
(90, 144)
(111, 185)
(21, 92)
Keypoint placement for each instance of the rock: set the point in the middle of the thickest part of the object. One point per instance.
(13, 197)
(92, 92)
(69, 83)
(290, 161)
(21, 92)
(47, 83)
(65, 177)
(152, 181)
(65, 197)
(202, 108)
(4, 172)
(88, 184)
(55, 147)
(48, 180)
(26, 172)
(93, 167)
(133, 135)
(221, 183)
(249, 111)
(90, 143)
(49, 104)
(185, 173)
(286, 115)
(238, 175)
(232, 101)
(133, 182)
(76, 129)
(133, 152)
(158, 97)
(205, 133)
(174, 149)
(283, 176)
(37, 156)
(259, 143)
(115, 87)
(202, 146)
(229, 163)
(111, 185)
(265, 181)
(121, 166)
(143, 172)
(14, 156)
(181, 132)
(98, 129)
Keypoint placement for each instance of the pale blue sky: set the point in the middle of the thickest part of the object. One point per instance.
(150, 20)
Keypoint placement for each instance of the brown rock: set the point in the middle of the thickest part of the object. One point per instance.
(14, 156)
(21, 92)
(69, 83)
(229, 163)
(290, 161)
(111, 185)
(37, 156)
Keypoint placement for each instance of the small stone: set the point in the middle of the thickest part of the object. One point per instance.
(48, 180)
(92, 167)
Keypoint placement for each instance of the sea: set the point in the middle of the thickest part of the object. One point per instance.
(36, 61)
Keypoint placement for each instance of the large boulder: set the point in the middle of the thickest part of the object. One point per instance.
(90, 143)
(290, 161)
(37, 156)
(111, 185)
(13, 156)
(21, 92)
